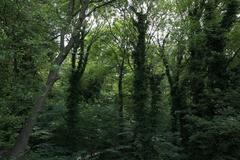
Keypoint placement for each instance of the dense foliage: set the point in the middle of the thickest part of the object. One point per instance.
(120, 80)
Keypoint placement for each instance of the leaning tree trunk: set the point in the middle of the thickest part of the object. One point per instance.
(24, 135)
(23, 138)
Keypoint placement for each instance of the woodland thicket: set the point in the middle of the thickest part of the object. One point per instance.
(119, 80)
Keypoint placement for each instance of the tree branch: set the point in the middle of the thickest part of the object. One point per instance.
(99, 6)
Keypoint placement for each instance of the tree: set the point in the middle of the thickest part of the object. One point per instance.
(140, 94)
(22, 140)
(140, 79)
(74, 96)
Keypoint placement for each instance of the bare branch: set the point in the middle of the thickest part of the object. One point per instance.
(99, 6)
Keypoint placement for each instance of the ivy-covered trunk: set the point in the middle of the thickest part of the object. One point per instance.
(154, 113)
(140, 92)
(72, 116)
(209, 73)
(75, 94)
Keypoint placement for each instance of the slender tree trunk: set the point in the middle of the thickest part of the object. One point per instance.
(23, 138)
(25, 133)
(120, 95)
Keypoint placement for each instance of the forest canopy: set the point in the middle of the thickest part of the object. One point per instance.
(119, 80)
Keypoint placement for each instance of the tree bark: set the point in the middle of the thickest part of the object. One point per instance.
(24, 135)
(120, 94)
(140, 91)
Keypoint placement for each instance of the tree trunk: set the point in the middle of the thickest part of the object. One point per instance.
(23, 138)
(120, 95)
(72, 104)
(140, 91)
(153, 117)
(25, 133)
